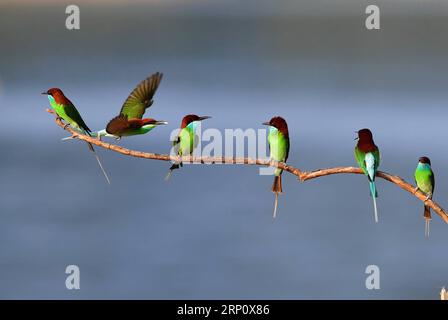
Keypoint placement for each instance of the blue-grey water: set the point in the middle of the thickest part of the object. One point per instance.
(208, 233)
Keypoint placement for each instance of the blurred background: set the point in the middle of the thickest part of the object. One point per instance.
(208, 233)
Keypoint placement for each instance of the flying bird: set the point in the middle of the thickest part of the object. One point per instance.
(367, 155)
(130, 120)
(187, 140)
(424, 178)
(278, 139)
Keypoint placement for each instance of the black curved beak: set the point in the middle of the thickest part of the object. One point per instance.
(44, 93)
(159, 122)
(266, 123)
(203, 118)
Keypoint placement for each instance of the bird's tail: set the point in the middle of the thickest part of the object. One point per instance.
(99, 162)
(277, 188)
(172, 168)
(374, 195)
(427, 216)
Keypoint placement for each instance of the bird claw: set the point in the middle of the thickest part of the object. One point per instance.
(66, 125)
(415, 190)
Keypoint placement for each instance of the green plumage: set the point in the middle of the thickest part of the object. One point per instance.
(278, 147)
(360, 157)
(186, 141)
(424, 178)
(70, 115)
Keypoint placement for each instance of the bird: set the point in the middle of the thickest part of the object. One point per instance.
(129, 121)
(424, 178)
(187, 140)
(278, 139)
(66, 110)
(367, 155)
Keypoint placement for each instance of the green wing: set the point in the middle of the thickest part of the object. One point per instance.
(425, 180)
(141, 97)
(72, 112)
(359, 157)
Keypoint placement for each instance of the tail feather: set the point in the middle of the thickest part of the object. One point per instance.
(276, 188)
(274, 215)
(277, 185)
(99, 162)
(427, 216)
(374, 195)
(175, 166)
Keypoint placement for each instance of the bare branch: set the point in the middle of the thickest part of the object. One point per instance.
(301, 175)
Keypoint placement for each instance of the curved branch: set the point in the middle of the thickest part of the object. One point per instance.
(301, 175)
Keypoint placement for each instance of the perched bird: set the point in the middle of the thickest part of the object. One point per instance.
(66, 110)
(278, 139)
(424, 178)
(367, 155)
(187, 140)
(129, 122)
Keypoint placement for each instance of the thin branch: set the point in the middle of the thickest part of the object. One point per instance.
(301, 175)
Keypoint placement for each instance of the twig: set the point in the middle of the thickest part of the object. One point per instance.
(301, 175)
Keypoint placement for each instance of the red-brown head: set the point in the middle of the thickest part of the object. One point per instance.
(365, 135)
(365, 141)
(57, 95)
(280, 124)
(189, 118)
(424, 160)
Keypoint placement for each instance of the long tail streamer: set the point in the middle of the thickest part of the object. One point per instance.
(427, 227)
(275, 205)
(375, 209)
(99, 162)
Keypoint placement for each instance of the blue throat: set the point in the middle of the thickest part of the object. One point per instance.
(273, 130)
(423, 166)
(193, 125)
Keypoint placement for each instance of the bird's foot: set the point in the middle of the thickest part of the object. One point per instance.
(427, 197)
(415, 190)
(118, 138)
(66, 125)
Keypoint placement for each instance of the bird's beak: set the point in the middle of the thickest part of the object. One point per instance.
(266, 123)
(44, 92)
(157, 123)
(203, 118)
(356, 138)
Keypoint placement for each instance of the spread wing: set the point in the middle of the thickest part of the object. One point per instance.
(141, 97)
(117, 125)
